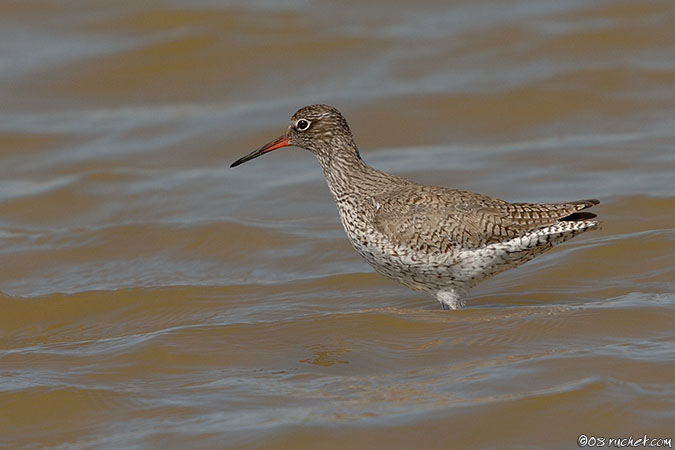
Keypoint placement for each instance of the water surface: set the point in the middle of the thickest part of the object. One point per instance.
(151, 296)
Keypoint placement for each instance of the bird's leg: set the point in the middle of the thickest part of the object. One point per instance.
(450, 299)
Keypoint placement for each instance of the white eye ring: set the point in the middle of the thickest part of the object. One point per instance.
(302, 124)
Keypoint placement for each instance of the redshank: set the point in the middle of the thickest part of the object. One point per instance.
(433, 239)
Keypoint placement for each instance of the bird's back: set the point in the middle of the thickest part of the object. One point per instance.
(438, 219)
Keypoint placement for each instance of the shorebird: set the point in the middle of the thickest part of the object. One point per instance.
(434, 239)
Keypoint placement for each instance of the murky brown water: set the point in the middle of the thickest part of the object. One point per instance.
(152, 297)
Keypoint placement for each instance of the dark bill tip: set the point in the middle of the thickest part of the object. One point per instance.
(237, 162)
(281, 141)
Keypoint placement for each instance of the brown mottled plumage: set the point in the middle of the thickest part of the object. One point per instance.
(429, 238)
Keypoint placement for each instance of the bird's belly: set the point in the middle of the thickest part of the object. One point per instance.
(435, 271)
(416, 270)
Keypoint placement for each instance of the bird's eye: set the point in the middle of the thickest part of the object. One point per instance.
(302, 125)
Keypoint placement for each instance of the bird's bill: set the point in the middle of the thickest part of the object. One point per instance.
(281, 141)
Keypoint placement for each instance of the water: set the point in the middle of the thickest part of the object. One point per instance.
(151, 296)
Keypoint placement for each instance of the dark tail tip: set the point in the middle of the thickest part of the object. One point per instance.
(578, 216)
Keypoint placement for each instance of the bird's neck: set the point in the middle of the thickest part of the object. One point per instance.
(348, 175)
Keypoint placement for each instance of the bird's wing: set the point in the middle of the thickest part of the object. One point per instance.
(438, 220)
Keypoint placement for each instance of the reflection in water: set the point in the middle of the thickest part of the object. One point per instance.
(326, 357)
